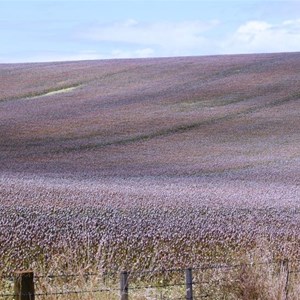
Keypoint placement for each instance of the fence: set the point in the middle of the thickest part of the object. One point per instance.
(25, 282)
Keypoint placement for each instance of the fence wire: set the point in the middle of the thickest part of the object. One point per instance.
(157, 272)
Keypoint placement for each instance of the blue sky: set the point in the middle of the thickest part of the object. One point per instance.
(35, 31)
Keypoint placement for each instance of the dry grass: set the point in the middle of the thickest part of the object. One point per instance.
(256, 276)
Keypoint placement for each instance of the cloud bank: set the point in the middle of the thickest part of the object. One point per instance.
(196, 37)
(134, 39)
(159, 38)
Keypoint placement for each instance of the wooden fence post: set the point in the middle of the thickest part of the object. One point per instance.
(189, 284)
(124, 285)
(285, 266)
(24, 285)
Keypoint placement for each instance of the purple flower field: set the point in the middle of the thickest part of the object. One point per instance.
(149, 163)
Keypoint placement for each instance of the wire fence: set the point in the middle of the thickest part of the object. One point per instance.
(207, 281)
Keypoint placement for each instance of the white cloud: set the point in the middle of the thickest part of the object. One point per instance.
(86, 55)
(168, 37)
(260, 36)
(53, 56)
(132, 39)
(139, 53)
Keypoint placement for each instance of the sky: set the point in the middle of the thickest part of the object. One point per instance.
(59, 30)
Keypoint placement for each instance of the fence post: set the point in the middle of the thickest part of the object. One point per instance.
(124, 285)
(24, 285)
(285, 266)
(189, 284)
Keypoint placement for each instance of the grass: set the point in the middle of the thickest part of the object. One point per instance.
(47, 92)
(257, 275)
(56, 91)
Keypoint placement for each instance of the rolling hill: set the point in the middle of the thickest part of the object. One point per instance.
(191, 116)
(149, 163)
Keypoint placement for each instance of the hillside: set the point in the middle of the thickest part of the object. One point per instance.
(193, 116)
(149, 163)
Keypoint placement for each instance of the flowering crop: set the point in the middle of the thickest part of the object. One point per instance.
(157, 163)
(140, 224)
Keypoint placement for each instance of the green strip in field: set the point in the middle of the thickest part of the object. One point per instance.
(53, 91)
(60, 91)
(47, 92)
